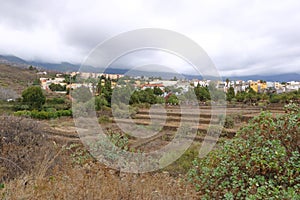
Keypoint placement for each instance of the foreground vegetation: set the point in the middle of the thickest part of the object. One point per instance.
(261, 162)
(38, 166)
(35, 104)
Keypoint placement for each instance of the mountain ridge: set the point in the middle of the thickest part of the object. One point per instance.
(69, 67)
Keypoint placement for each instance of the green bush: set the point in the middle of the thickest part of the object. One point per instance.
(44, 114)
(229, 122)
(103, 119)
(55, 101)
(124, 111)
(184, 163)
(261, 162)
(275, 98)
(24, 113)
(57, 104)
(33, 97)
(110, 147)
(100, 102)
(142, 105)
(57, 87)
(172, 99)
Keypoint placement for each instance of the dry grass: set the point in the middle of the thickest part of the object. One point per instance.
(94, 181)
(45, 169)
(15, 78)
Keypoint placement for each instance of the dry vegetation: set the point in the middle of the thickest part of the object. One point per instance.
(35, 165)
(15, 78)
(46, 161)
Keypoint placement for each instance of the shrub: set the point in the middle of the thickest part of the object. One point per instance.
(100, 102)
(110, 147)
(33, 97)
(142, 105)
(21, 146)
(262, 161)
(103, 119)
(57, 87)
(275, 98)
(173, 100)
(55, 101)
(184, 163)
(43, 114)
(229, 122)
(24, 113)
(124, 111)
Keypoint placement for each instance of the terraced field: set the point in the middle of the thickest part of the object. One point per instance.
(153, 129)
(167, 122)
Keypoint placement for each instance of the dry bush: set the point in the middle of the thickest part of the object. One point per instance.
(22, 146)
(7, 93)
(37, 169)
(91, 180)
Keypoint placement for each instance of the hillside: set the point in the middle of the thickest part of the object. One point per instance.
(15, 78)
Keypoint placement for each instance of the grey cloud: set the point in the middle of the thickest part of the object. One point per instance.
(241, 37)
(28, 14)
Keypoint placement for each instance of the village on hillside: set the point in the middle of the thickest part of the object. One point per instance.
(60, 83)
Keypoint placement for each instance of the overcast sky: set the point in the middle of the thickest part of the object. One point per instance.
(241, 37)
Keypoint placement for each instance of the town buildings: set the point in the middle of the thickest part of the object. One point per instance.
(259, 86)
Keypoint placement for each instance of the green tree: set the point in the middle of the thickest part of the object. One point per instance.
(134, 99)
(202, 93)
(240, 96)
(265, 97)
(33, 97)
(70, 79)
(122, 94)
(57, 87)
(99, 85)
(230, 94)
(81, 94)
(104, 88)
(148, 96)
(227, 82)
(157, 91)
(31, 67)
(174, 79)
(100, 102)
(36, 82)
(251, 96)
(172, 99)
(143, 96)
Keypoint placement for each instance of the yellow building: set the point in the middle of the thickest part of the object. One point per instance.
(258, 86)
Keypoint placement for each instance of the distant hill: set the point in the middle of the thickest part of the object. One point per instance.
(18, 62)
(69, 67)
(61, 67)
(13, 60)
(272, 78)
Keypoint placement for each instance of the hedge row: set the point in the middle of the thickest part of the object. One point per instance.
(44, 114)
